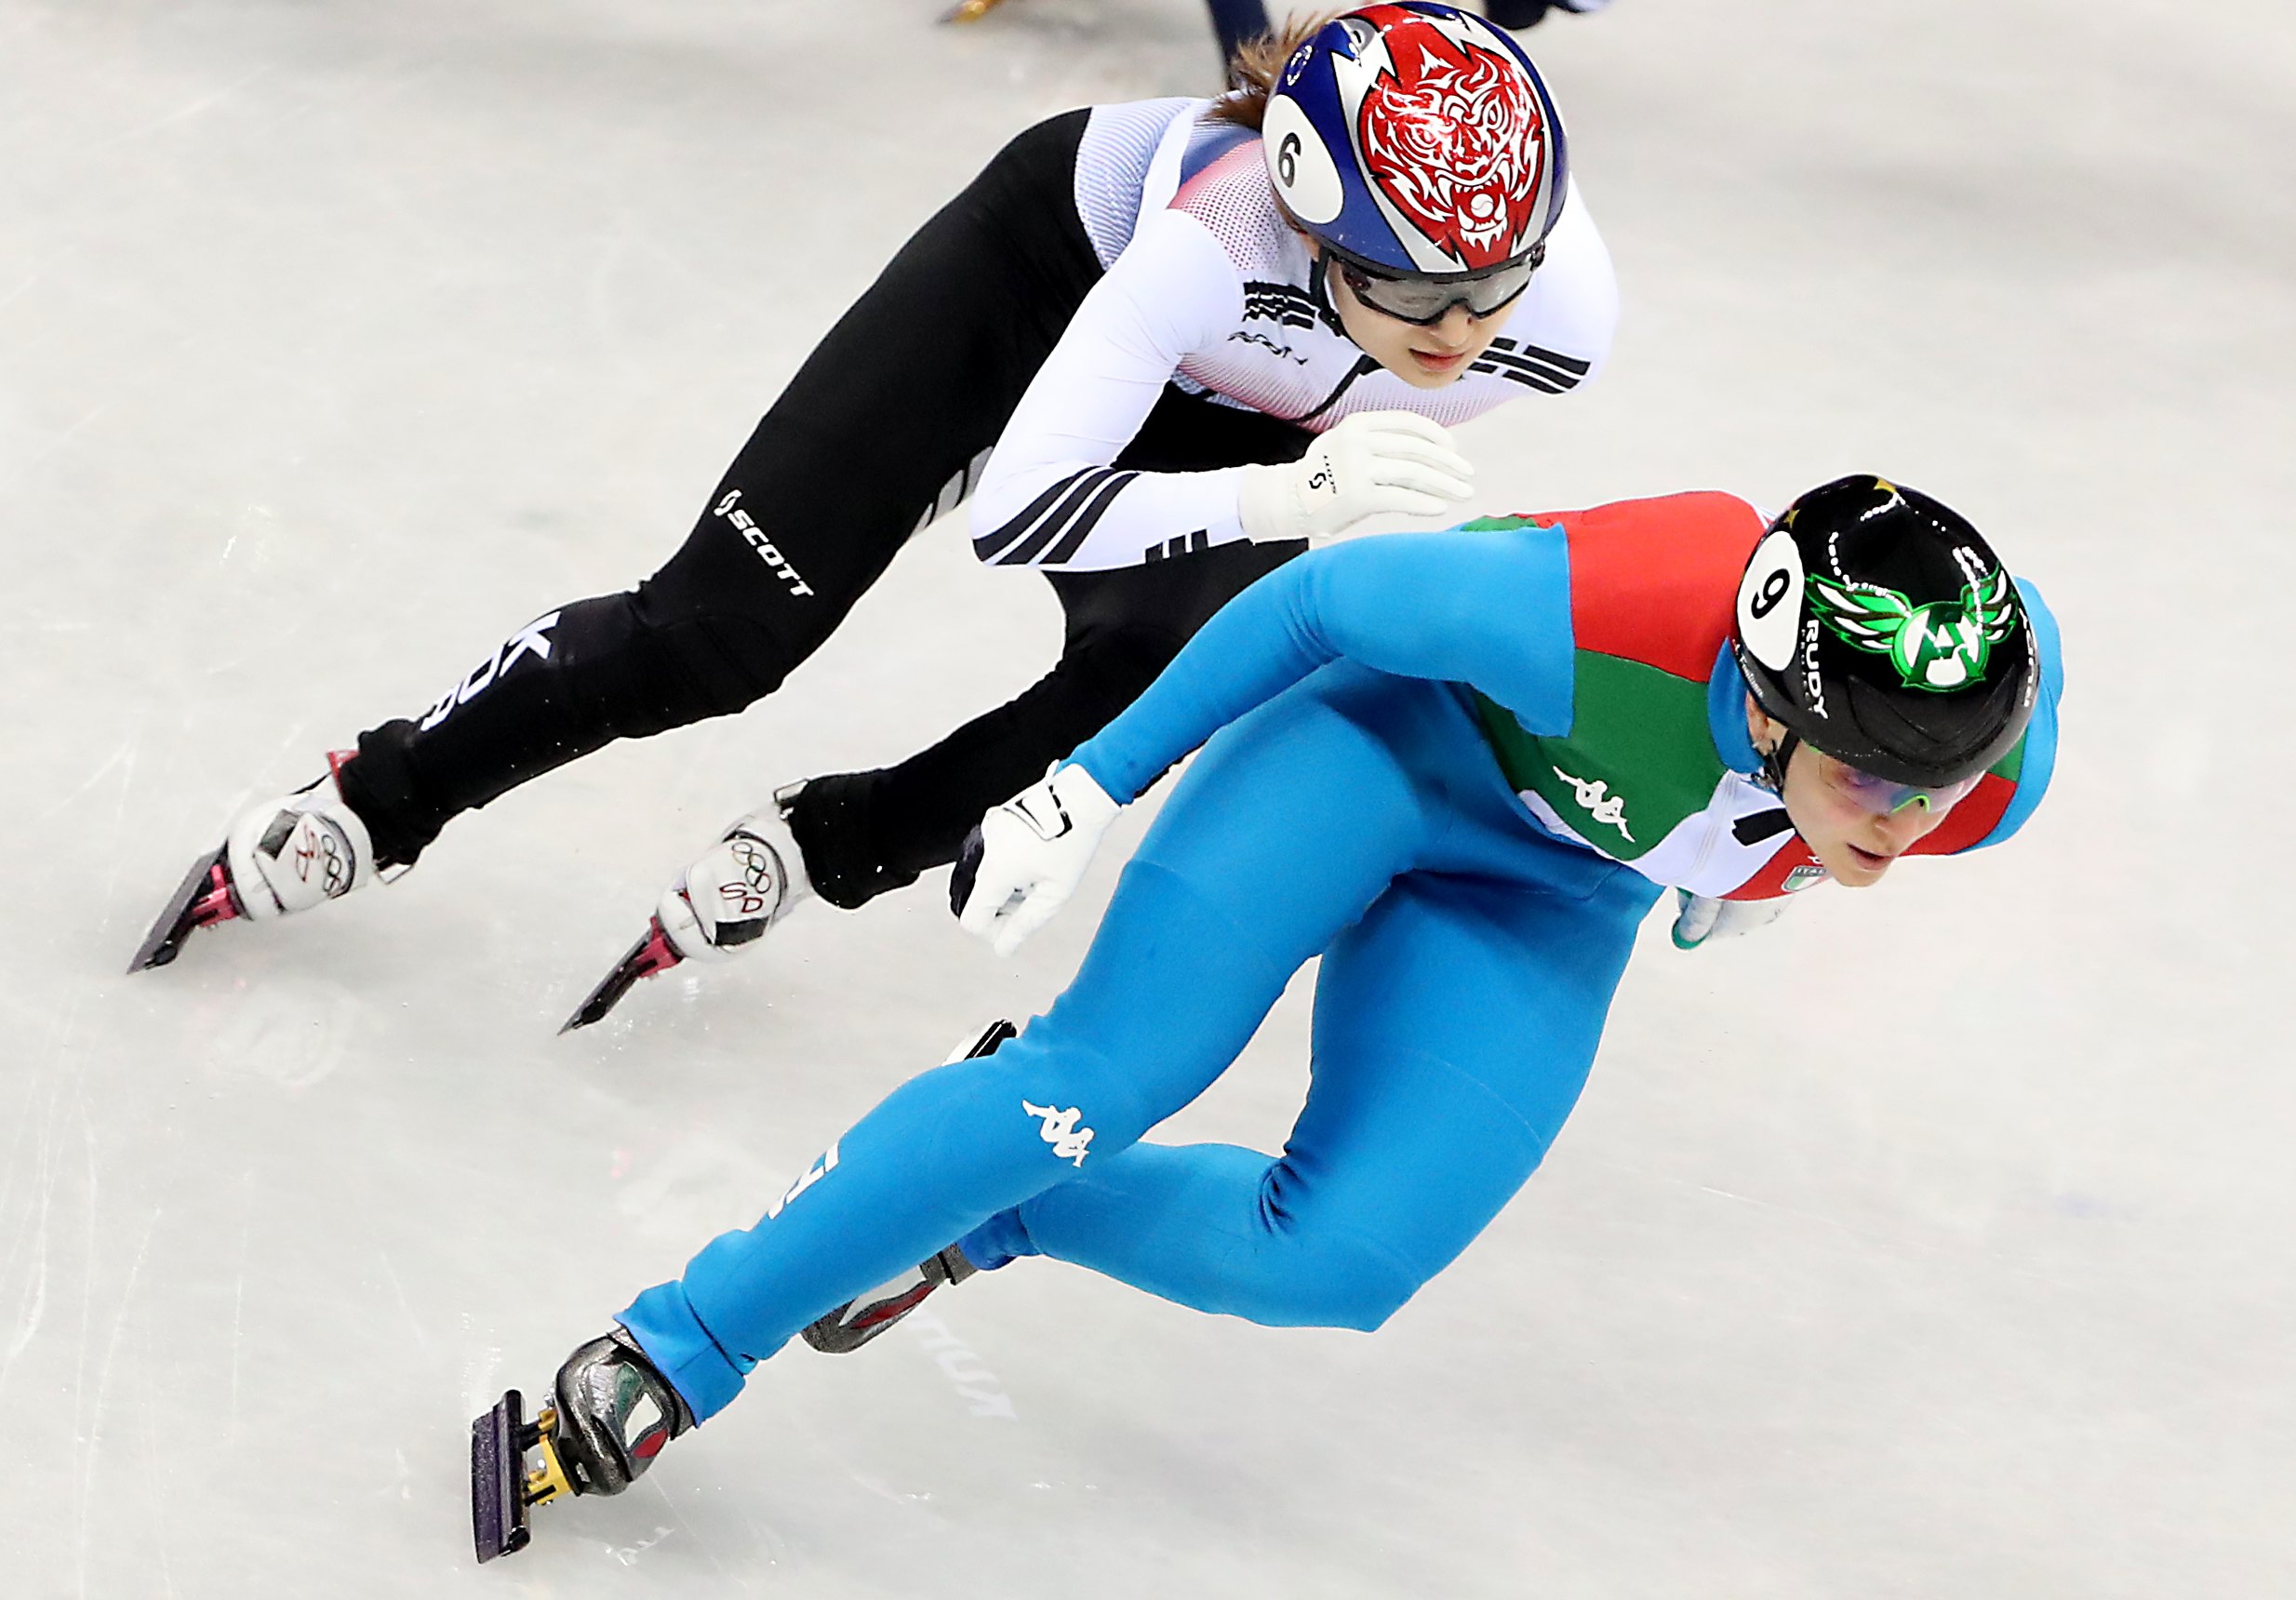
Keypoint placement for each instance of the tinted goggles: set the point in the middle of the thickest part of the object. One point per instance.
(1885, 798)
(1425, 302)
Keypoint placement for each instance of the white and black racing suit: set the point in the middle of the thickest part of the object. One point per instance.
(1116, 306)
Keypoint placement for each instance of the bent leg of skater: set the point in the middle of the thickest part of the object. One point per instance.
(1454, 1027)
(1291, 823)
(894, 407)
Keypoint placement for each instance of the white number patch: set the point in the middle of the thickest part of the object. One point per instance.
(1769, 601)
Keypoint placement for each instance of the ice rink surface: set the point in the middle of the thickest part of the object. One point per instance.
(1935, 1242)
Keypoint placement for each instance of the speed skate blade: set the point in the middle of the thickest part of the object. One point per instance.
(650, 954)
(968, 10)
(204, 897)
(498, 1479)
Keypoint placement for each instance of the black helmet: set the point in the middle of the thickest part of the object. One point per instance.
(1881, 629)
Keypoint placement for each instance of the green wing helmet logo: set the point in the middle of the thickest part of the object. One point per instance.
(1941, 646)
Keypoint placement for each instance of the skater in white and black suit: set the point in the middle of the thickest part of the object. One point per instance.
(1199, 335)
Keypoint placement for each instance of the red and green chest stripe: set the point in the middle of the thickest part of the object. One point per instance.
(1638, 776)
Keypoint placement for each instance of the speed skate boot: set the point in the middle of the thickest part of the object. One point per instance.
(613, 1412)
(285, 855)
(857, 1322)
(752, 877)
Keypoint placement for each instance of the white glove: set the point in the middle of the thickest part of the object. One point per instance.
(1028, 856)
(1373, 464)
(1701, 918)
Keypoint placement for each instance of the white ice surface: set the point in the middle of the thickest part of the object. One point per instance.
(1936, 1243)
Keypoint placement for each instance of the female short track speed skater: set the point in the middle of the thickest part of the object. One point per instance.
(1200, 336)
(1460, 768)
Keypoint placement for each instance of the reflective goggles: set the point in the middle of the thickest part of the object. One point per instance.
(1425, 302)
(1885, 798)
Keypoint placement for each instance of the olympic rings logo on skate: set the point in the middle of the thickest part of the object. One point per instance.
(314, 843)
(760, 887)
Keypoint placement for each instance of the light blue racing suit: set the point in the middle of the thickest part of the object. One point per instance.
(1348, 805)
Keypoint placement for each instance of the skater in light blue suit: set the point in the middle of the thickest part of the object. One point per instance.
(1468, 963)
(1460, 768)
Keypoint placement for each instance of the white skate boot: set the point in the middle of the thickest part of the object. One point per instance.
(752, 877)
(285, 855)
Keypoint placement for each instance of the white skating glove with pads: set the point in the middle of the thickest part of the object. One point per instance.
(299, 851)
(1380, 464)
(1701, 919)
(742, 884)
(1033, 851)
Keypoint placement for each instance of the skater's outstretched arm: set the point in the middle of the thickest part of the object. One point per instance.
(1487, 607)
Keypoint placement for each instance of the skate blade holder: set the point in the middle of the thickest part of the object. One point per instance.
(502, 1487)
(653, 952)
(203, 899)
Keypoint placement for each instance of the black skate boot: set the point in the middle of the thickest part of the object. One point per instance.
(752, 877)
(614, 1413)
(857, 1322)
